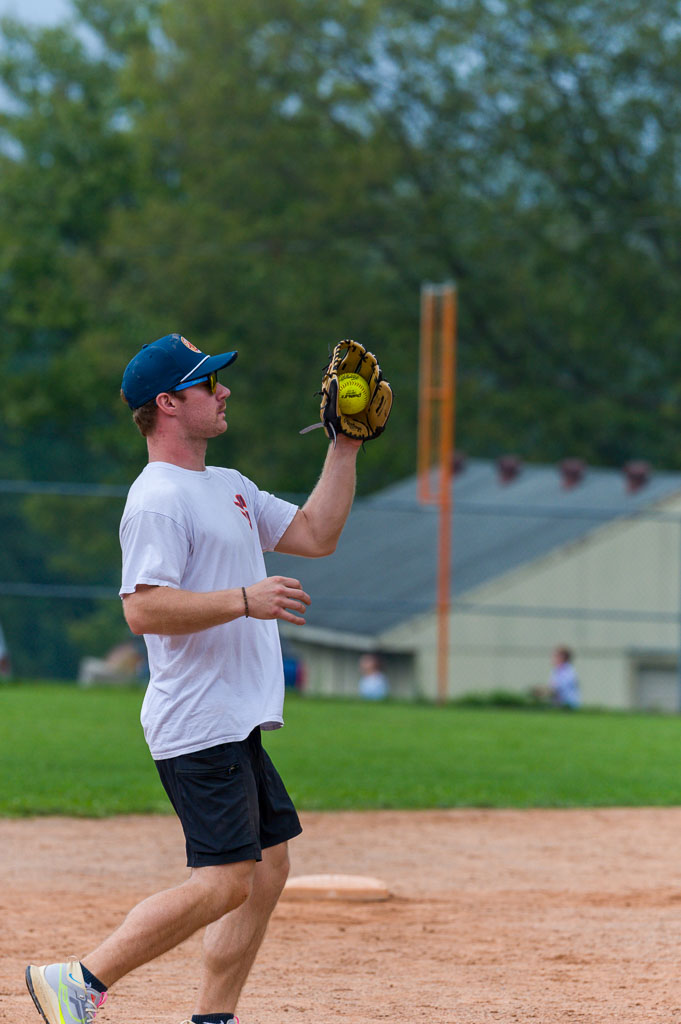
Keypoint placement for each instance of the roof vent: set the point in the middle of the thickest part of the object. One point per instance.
(458, 463)
(508, 468)
(572, 472)
(636, 475)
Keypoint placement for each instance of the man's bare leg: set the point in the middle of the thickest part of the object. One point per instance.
(231, 944)
(167, 918)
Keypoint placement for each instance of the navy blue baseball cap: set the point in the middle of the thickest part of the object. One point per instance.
(166, 363)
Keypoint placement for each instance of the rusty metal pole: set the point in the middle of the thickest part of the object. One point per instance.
(437, 406)
(447, 355)
(425, 428)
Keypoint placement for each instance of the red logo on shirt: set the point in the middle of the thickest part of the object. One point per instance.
(243, 508)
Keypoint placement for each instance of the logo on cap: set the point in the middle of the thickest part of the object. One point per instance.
(189, 344)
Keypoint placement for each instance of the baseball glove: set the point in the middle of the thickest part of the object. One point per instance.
(351, 357)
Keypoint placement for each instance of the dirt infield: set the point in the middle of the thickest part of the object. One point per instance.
(497, 916)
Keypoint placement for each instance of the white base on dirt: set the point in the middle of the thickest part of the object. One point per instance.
(335, 887)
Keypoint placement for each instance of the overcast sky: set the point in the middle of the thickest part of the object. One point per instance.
(45, 11)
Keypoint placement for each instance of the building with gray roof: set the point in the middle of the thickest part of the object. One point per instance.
(541, 555)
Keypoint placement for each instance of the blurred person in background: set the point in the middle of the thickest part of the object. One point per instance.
(5, 663)
(563, 681)
(373, 682)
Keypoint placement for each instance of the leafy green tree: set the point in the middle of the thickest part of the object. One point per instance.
(274, 176)
(321, 160)
(66, 162)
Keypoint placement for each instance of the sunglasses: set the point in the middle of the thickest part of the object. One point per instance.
(211, 380)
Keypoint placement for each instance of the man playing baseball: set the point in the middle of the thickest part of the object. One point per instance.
(194, 583)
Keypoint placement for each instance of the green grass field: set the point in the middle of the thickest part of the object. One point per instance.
(69, 751)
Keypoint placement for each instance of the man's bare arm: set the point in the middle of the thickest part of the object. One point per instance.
(316, 527)
(170, 612)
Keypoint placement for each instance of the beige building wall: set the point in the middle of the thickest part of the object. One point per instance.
(612, 597)
(620, 589)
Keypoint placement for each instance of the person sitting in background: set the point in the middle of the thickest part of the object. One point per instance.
(373, 684)
(5, 663)
(563, 682)
(125, 663)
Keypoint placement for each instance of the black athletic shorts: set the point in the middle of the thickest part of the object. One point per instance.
(230, 801)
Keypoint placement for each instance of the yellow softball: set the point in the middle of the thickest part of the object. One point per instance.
(353, 393)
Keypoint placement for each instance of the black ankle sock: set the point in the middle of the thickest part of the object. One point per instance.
(89, 979)
(212, 1018)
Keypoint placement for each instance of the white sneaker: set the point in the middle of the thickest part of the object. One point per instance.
(61, 995)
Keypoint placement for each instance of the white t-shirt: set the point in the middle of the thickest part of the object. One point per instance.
(205, 531)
